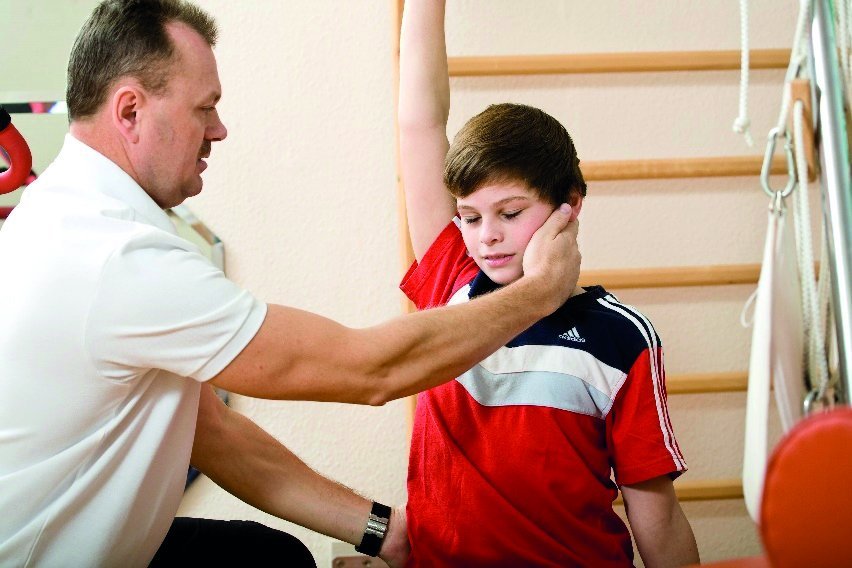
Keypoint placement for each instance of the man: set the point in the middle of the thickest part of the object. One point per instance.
(115, 330)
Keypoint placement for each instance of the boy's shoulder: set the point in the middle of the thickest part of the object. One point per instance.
(596, 322)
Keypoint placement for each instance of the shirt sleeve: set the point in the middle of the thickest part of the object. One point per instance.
(444, 269)
(639, 432)
(161, 304)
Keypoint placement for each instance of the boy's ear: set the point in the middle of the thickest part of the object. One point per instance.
(575, 200)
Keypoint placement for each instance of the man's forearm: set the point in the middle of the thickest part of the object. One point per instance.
(249, 463)
(435, 345)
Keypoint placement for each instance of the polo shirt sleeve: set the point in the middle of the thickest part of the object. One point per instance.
(161, 304)
(639, 432)
(444, 269)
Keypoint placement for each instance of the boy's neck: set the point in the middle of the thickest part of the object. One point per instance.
(577, 291)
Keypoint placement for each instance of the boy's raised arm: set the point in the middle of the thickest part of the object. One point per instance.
(424, 105)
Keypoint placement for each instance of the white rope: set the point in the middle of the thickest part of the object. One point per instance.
(815, 361)
(842, 36)
(742, 122)
(847, 9)
(823, 318)
(843, 33)
(798, 57)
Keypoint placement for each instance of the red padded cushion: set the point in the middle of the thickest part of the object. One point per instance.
(806, 510)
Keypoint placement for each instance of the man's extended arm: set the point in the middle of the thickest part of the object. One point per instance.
(661, 530)
(249, 463)
(424, 106)
(297, 355)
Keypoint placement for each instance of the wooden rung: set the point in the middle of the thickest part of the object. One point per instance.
(800, 90)
(650, 61)
(672, 276)
(707, 382)
(704, 490)
(723, 166)
(709, 489)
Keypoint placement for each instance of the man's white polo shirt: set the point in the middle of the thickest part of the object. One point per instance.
(109, 322)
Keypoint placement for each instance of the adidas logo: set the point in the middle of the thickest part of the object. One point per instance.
(572, 335)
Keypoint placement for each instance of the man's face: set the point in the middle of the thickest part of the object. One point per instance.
(181, 123)
(497, 222)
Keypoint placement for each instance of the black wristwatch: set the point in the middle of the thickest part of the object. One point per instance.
(377, 528)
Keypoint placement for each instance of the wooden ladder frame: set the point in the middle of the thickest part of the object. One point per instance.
(714, 275)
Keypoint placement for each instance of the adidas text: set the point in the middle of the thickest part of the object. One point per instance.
(572, 335)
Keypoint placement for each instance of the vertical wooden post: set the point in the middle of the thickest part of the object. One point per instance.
(406, 252)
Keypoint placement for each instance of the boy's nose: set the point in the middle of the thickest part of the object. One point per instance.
(490, 235)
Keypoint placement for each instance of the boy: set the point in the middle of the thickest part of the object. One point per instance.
(510, 463)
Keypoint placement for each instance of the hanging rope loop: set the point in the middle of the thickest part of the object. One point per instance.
(766, 169)
(742, 122)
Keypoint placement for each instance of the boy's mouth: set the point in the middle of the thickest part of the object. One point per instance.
(497, 260)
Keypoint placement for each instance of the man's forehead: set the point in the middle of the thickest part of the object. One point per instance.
(194, 63)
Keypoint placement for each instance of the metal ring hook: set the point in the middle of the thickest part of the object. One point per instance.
(766, 169)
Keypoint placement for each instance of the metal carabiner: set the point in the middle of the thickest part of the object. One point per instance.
(810, 400)
(814, 398)
(766, 169)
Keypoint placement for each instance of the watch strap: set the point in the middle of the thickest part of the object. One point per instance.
(375, 531)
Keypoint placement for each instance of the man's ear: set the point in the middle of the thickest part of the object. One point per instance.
(126, 104)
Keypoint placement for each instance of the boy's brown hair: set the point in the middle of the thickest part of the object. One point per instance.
(513, 142)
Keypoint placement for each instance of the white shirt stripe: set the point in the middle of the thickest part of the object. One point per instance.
(651, 339)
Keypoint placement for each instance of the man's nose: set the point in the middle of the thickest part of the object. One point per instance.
(217, 132)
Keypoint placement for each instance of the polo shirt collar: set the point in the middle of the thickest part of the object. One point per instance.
(96, 171)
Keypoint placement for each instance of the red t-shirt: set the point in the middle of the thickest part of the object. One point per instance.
(512, 463)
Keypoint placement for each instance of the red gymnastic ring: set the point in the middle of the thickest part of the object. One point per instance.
(21, 159)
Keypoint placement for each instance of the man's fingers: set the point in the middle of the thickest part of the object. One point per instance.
(575, 212)
(573, 227)
(557, 221)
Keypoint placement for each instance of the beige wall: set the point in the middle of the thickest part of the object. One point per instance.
(303, 195)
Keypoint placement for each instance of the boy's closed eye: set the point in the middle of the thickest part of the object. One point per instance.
(512, 214)
(471, 219)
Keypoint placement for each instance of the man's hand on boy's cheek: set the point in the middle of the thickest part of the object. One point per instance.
(553, 252)
(396, 548)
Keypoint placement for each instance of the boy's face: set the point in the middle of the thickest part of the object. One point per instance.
(497, 222)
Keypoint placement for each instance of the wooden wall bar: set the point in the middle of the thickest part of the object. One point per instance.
(698, 383)
(722, 166)
(705, 490)
(615, 62)
(672, 276)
